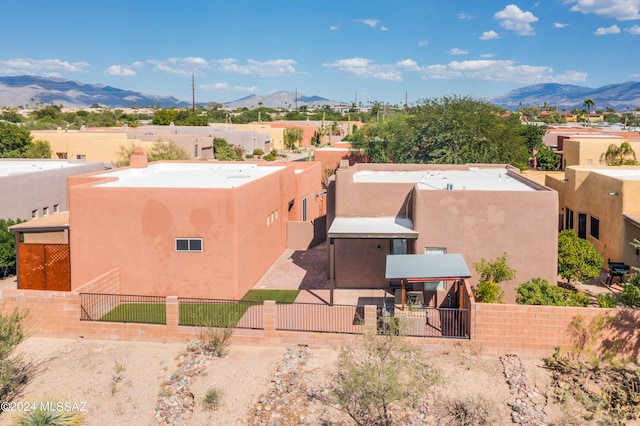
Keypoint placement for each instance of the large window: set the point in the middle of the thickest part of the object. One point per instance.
(188, 244)
(568, 220)
(582, 225)
(594, 228)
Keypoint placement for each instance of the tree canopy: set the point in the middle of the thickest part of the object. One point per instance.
(14, 140)
(622, 155)
(448, 130)
(7, 247)
(577, 258)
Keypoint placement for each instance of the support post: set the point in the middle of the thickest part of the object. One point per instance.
(332, 270)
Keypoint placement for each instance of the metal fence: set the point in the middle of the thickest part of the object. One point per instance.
(429, 322)
(345, 319)
(220, 313)
(123, 308)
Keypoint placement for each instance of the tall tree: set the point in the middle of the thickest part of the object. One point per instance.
(588, 104)
(38, 149)
(577, 258)
(7, 247)
(14, 140)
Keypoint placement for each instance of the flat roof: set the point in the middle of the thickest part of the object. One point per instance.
(620, 173)
(471, 179)
(427, 266)
(187, 175)
(12, 167)
(372, 227)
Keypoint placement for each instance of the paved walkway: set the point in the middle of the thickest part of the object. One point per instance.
(307, 271)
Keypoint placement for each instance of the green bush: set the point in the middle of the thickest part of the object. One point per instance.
(488, 292)
(607, 300)
(48, 412)
(539, 292)
(258, 152)
(630, 295)
(269, 157)
(14, 372)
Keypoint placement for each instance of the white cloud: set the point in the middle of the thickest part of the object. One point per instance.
(271, 68)
(384, 29)
(621, 10)
(120, 71)
(333, 28)
(465, 17)
(366, 68)
(224, 87)
(214, 86)
(48, 67)
(370, 22)
(513, 19)
(423, 43)
(560, 25)
(501, 71)
(614, 29)
(180, 66)
(488, 55)
(456, 51)
(489, 35)
(635, 30)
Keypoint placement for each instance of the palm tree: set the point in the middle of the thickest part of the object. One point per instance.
(622, 155)
(588, 103)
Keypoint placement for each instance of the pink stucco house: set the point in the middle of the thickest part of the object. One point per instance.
(194, 229)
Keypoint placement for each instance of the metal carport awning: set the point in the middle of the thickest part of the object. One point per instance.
(424, 268)
(366, 227)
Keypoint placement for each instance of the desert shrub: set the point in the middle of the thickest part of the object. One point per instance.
(213, 338)
(249, 156)
(630, 295)
(378, 375)
(212, 399)
(48, 412)
(488, 292)
(470, 411)
(269, 157)
(258, 152)
(14, 372)
(539, 292)
(491, 274)
(578, 259)
(607, 300)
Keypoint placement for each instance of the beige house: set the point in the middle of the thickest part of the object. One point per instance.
(602, 205)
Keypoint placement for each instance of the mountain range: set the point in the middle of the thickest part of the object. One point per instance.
(28, 90)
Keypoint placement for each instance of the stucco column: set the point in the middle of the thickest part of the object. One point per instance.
(370, 318)
(172, 312)
(269, 317)
(332, 269)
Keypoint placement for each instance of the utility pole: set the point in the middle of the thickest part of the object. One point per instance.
(296, 99)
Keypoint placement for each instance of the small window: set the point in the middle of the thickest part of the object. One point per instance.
(34, 214)
(568, 219)
(56, 208)
(304, 209)
(81, 157)
(595, 228)
(188, 244)
(195, 151)
(435, 250)
(45, 211)
(62, 155)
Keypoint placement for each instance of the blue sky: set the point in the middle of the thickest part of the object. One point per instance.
(373, 50)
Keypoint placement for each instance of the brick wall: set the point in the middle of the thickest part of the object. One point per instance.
(535, 331)
(528, 331)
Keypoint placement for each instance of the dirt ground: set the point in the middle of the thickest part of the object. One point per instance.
(82, 371)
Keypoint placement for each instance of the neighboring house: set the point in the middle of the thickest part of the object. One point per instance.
(35, 188)
(193, 229)
(479, 211)
(602, 205)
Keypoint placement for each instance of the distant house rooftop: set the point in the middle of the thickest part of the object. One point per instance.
(623, 174)
(187, 175)
(10, 167)
(472, 179)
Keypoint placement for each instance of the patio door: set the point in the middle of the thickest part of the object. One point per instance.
(582, 225)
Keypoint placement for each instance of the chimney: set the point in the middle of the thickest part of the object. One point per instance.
(138, 159)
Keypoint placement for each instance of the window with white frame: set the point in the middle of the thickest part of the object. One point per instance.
(56, 208)
(189, 244)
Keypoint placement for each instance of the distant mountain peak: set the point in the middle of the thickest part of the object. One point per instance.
(619, 96)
